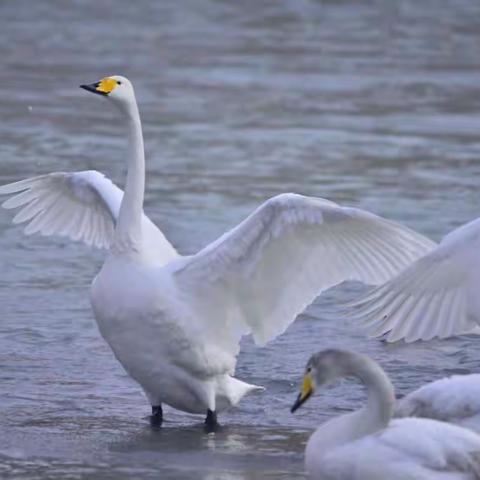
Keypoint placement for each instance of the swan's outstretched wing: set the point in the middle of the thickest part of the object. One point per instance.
(259, 276)
(79, 205)
(437, 296)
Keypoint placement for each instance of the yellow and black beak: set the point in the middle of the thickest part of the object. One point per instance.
(103, 87)
(304, 394)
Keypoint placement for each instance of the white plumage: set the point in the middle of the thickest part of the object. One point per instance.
(437, 296)
(453, 399)
(83, 206)
(408, 449)
(175, 322)
(270, 267)
(368, 445)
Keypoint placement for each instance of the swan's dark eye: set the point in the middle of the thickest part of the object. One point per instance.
(309, 369)
(119, 82)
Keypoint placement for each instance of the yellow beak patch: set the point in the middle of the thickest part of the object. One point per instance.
(106, 85)
(304, 394)
(306, 388)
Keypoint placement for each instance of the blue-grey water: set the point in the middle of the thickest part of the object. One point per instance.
(374, 104)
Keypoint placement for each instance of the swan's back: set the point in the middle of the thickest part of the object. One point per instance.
(453, 399)
(408, 449)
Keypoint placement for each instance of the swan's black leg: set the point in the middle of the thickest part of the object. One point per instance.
(211, 421)
(157, 416)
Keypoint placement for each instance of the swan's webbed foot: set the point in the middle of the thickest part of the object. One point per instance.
(211, 423)
(157, 416)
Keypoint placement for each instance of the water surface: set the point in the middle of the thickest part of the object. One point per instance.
(373, 104)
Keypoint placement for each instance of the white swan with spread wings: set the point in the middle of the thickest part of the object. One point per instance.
(174, 322)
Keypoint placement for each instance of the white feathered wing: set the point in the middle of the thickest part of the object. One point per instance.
(437, 296)
(259, 276)
(83, 206)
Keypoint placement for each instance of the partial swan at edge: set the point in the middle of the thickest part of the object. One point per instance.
(454, 399)
(368, 445)
(436, 296)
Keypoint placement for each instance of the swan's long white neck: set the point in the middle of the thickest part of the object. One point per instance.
(129, 223)
(374, 416)
(135, 234)
(380, 394)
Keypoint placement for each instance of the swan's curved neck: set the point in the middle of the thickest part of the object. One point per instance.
(129, 223)
(380, 393)
(374, 416)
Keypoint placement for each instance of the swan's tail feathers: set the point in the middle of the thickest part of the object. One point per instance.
(230, 391)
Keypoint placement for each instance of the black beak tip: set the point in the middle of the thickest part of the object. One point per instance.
(300, 401)
(92, 87)
(297, 403)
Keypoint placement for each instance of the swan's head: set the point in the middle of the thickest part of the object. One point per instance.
(322, 368)
(116, 88)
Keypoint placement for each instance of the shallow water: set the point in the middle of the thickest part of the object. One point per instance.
(373, 104)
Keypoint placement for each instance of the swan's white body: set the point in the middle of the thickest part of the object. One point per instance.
(453, 399)
(175, 322)
(408, 449)
(436, 296)
(367, 445)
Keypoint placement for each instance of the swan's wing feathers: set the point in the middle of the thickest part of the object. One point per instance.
(451, 399)
(79, 205)
(437, 446)
(407, 448)
(265, 271)
(434, 297)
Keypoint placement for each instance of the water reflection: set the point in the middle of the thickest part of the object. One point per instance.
(223, 454)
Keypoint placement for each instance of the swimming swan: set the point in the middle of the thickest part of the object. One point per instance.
(436, 296)
(454, 399)
(174, 322)
(368, 445)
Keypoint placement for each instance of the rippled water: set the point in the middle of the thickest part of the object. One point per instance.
(373, 104)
